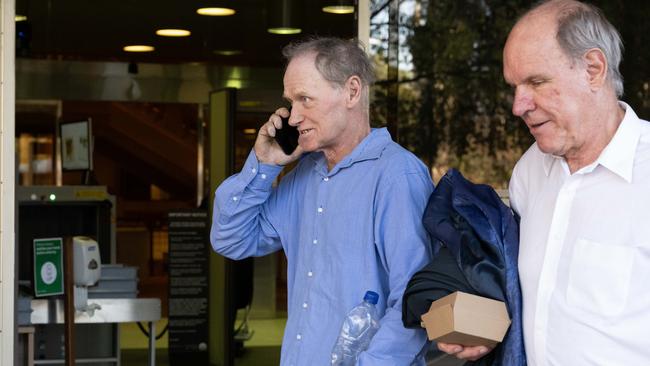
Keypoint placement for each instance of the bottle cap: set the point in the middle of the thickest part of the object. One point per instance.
(371, 297)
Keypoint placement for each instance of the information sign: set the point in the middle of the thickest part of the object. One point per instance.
(48, 267)
(188, 287)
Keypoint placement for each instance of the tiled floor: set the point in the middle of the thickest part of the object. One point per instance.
(267, 332)
(259, 356)
(263, 349)
(252, 356)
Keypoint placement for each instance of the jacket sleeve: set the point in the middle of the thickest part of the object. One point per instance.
(242, 216)
(403, 247)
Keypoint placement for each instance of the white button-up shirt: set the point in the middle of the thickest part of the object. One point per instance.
(584, 258)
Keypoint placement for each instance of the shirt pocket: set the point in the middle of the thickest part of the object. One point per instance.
(599, 277)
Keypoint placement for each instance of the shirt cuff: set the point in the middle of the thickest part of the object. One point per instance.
(259, 175)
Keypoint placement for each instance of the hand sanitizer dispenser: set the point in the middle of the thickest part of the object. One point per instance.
(87, 269)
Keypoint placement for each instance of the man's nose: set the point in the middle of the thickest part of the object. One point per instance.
(523, 102)
(296, 117)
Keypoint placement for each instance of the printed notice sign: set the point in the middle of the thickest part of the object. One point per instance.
(188, 287)
(48, 267)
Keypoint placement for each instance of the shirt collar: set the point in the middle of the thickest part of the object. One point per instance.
(548, 162)
(370, 147)
(618, 155)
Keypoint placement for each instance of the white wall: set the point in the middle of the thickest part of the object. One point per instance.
(7, 181)
(363, 31)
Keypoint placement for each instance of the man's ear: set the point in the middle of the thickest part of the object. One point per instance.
(353, 88)
(596, 64)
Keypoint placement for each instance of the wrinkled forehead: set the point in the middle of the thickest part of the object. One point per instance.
(531, 48)
(537, 24)
(535, 32)
(301, 76)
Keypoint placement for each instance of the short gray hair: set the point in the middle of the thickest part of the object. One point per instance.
(582, 27)
(336, 59)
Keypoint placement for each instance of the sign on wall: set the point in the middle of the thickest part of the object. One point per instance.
(188, 287)
(48, 267)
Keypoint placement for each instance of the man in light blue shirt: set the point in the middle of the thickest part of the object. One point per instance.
(348, 216)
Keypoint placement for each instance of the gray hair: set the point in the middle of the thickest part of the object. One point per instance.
(582, 27)
(336, 59)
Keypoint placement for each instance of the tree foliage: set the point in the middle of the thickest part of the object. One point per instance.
(455, 108)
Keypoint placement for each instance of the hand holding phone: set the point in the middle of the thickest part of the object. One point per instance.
(287, 137)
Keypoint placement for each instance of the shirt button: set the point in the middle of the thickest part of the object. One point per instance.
(326, 179)
(304, 305)
(315, 241)
(320, 209)
(235, 198)
(263, 176)
(299, 336)
(254, 170)
(310, 274)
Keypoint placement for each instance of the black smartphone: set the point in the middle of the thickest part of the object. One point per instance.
(287, 137)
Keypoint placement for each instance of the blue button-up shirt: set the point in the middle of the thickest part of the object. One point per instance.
(355, 228)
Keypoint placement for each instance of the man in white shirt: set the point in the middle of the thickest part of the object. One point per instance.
(582, 191)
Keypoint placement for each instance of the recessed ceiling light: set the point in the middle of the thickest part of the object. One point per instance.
(20, 18)
(216, 12)
(234, 83)
(227, 52)
(138, 48)
(339, 9)
(173, 32)
(250, 103)
(284, 30)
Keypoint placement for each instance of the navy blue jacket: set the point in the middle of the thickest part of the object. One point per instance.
(479, 238)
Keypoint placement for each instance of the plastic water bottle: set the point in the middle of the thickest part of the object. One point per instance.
(359, 326)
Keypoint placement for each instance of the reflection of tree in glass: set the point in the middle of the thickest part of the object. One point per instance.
(630, 17)
(454, 107)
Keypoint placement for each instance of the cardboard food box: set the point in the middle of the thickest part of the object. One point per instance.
(466, 319)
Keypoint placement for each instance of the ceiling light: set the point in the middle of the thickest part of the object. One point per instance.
(233, 83)
(283, 15)
(250, 131)
(227, 52)
(173, 32)
(284, 30)
(250, 103)
(216, 12)
(339, 7)
(20, 18)
(138, 48)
